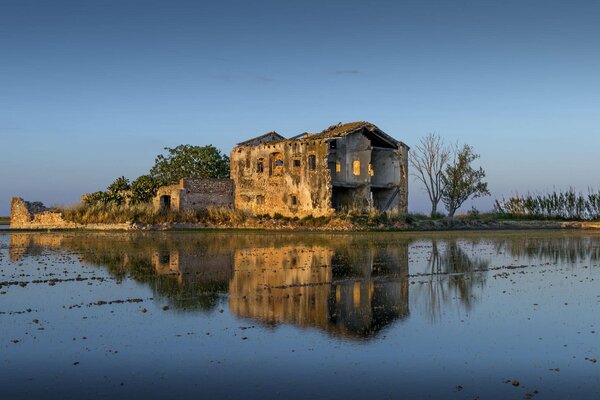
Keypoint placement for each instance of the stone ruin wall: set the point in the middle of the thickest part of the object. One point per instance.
(197, 194)
(34, 215)
(203, 193)
(289, 189)
(174, 191)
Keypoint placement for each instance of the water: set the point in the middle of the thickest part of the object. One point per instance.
(249, 315)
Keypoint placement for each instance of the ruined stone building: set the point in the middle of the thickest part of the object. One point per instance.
(195, 194)
(353, 165)
(346, 166)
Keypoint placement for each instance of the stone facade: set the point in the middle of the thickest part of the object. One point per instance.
(279, 178)
(353, 165)
(195, 194)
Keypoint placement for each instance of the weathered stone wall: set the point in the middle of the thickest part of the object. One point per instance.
(34, 215)
(196, 194)
(203, 193)
(280, 178)
(173, 191)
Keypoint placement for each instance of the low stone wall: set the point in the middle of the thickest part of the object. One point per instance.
(34, 215)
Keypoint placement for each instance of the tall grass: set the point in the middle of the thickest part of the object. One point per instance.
(112, 213)
(556, 205)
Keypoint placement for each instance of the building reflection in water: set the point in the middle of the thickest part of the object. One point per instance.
(347, 285)
(337, 289)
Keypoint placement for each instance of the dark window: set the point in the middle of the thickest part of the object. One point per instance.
(312, 162)
(165, 257)
(294, 200)
(260, 166)
(333, 144)
(297, 163)
(260, 199)
(279, 163)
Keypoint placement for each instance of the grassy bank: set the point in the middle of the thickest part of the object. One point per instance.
(225, 217)
(146, 217)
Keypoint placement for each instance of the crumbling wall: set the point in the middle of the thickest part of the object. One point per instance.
(195, 194)
(364, 175)
(290, 178)
(173, 192)
(203, 193)
(34, 215)
(353, 153)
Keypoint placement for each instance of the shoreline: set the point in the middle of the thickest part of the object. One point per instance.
(287, 226)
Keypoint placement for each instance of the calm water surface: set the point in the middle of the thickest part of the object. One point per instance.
(245, 315)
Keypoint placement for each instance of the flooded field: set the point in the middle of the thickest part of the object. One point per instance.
(248, 315)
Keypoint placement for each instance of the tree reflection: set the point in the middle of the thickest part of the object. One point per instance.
(453, 273)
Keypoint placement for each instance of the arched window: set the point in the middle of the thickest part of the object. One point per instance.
(276, 164)
(312, 162)
(356, 167)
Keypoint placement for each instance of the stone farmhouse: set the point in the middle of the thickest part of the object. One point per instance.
(346, 166)
(353, 165)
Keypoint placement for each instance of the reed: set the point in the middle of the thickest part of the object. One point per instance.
(566, 205)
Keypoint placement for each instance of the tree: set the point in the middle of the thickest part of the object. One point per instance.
(143, 189)
(186, 161)
(120, 185)
(429, 159)
(460, 180)
(118, 191)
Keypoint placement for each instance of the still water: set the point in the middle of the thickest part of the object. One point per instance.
(254, 315)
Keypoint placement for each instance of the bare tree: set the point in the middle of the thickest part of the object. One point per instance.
(428, 159)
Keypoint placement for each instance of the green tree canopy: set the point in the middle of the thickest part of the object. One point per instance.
(186, 161)
(118, 191)
(143, 189)
(461, 181)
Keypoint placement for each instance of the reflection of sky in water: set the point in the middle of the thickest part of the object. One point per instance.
(295, 315)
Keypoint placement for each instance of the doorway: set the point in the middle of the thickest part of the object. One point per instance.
(165, 202)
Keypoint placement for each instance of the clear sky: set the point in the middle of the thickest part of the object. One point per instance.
(92, 90)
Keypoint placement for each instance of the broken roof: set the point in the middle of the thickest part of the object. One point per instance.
(340, 130)
(334, 131)
(265, 138)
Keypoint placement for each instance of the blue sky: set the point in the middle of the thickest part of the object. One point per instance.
(92, 90)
